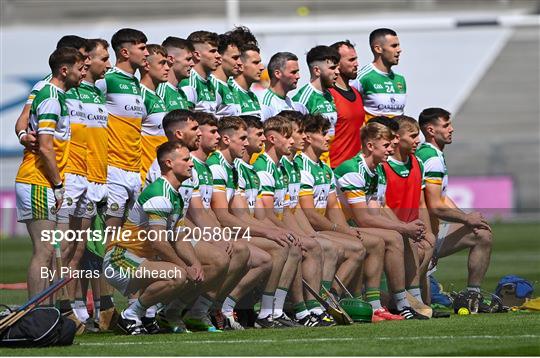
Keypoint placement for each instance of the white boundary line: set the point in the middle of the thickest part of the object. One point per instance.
(306, 340)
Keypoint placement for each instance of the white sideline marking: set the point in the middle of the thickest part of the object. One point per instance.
(306, 340)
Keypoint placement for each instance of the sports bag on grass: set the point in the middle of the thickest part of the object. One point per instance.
(41, 327)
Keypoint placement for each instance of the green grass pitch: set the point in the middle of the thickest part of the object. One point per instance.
(516, 251)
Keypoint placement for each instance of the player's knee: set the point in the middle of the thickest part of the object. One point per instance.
(358, 252)
(265, 262)
(484, 238)
(178, 280)
(241, 252)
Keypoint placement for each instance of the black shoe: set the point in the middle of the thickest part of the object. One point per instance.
(151, 325)
(440, 314)
(130, 327)
(91, 326)
(267, 322)
(286, 321)
(325, 320)
(310, 321)
(409, 313)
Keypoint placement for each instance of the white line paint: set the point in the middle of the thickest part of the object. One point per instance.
(306, 340)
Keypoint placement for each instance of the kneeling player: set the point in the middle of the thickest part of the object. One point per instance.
(158, 208)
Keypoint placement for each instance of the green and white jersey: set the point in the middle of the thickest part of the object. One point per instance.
(356, 182)
(310, 100)
(158, 204)
(384, 94)
(200, 92)
(37, 87)
(248, 101)
(272, 104)
(272, 181)
(316, 179)
(185, 190)
(202, 181)
(435, 170)
(174, 97)
(155, 111)
(224, 175)
(248, 182)
(292, 177)
(227, 105)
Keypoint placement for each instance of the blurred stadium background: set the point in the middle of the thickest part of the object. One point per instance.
(478, 59)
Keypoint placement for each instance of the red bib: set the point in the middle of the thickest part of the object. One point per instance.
(403, 194)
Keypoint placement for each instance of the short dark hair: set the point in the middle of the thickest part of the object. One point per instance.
(204, 118)
(64, 56)
(226, 40)
(378, 34)
(386, 121)
(94, 43)
(337, 45)
(248, 47)
(278, 62)
(177, 42)
(202, 37)
(173, 118)
(243, 36)
(228, 123)
(252, 121)
(314, 123)
(432, 115)
(164, 150)
(322, 53)
(294, 116)
(74, 41)
(126, 35)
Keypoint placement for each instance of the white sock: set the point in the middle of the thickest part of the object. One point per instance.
(316, 310)
(279, 301)
(132, 300)
(415, 292)
(79, 308)
(97, 306)
(151, 311)
(228, 306)
(302, 314)
(401, 300)
(473, 288)
(135, 311)
(200, 307)
(267, 305)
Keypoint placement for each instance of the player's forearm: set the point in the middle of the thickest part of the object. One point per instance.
(166, 253)
(256, 227)
(318, 221)
(185, 251)
(48, 157)
(377, 221)
(446, 213)
(300, 218)
(22, 121)
(201, 218)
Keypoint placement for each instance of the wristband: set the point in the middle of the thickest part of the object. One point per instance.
(58, 186)
(21, 134)
(334, 227)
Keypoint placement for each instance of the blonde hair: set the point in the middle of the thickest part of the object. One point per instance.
(278, 124)
(407, 123)
(374, 131)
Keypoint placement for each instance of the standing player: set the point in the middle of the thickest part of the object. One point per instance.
(231, 66)
(198, 87)
(152, 134)
(454, 229)
(284, 74)
(358, 181)
(29, 138)
(252, 68)
(125, 112)
(180, 56)
(349, 106)
(384, 92)
(40, 180)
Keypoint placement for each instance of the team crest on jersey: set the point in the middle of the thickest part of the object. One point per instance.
(115, 207)
(69, 201)
(399, 86)
(90, 206)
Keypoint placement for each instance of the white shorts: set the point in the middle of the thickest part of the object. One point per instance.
(124, 188)
(96, 193)
(118, 263)
(75, 202)
(444, 227)
(34, 202)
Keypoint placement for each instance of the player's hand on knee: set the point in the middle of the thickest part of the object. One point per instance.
(195, 272)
